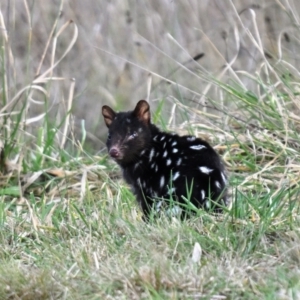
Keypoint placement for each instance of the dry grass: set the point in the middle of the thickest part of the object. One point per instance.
(157, 37)
(70, 228)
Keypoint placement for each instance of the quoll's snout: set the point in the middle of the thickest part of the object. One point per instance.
(114, 152)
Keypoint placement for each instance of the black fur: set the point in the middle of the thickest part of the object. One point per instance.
(160, 165)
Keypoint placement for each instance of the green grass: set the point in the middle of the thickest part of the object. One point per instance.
(69, 226)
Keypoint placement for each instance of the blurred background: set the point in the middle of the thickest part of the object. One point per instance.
(130, 50)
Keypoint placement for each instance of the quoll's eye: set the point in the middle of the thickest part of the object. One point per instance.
(109, 136)
(132, 136)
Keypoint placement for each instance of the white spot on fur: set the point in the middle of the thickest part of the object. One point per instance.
(152, 152)
(208, 204)
(175, 150)
(144, 184)
(140, 129)
(156, 168)
(175, 176)
(164, 146)
(223, 177)
(190, 138)
(155, 138)
(218, 184)
(165, 153)
(162, 138)
(137, 164)
(197, 147)
(169, 161)
(179, 161)
(143, 152)
(203, 194)
(128, 120)
(138, 181)
(205, 170)
(162, 181)
(174, 143)
(153, 166)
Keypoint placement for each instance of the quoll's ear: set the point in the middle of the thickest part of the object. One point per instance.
(108, 115)
(142, 111)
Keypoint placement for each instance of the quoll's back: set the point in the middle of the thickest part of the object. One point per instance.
(160, 166)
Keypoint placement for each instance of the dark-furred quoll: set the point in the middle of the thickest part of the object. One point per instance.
(162, 168)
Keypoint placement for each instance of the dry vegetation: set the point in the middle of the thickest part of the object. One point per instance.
(224, 70)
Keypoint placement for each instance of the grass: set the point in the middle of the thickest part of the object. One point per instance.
(70, 227)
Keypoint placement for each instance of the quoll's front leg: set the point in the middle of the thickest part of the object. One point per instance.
(145, 204)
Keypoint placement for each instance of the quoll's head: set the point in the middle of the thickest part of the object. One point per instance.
(128, 132)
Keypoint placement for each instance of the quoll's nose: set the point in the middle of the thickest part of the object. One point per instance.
(113, 152)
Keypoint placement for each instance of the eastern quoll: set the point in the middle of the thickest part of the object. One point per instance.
(160, 166)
